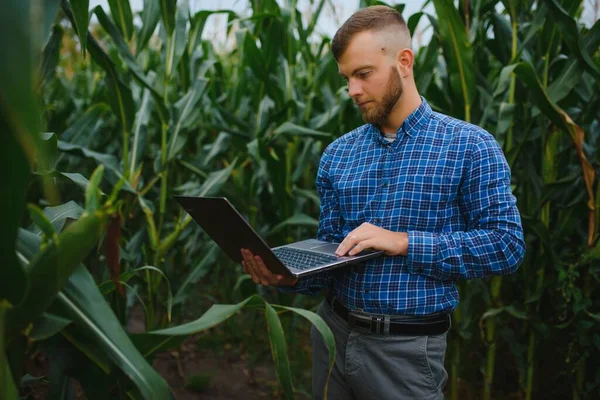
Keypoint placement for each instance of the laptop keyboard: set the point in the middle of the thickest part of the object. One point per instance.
(301, 259)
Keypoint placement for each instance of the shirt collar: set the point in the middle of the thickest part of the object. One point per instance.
(412, 124)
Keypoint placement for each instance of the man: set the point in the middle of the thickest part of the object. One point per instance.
(431, 191)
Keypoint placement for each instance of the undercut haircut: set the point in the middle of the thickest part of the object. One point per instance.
(373, 19)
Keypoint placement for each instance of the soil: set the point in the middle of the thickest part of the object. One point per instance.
(220, 372)
(226, 376)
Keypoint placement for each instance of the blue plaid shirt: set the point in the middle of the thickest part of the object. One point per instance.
(443, 181)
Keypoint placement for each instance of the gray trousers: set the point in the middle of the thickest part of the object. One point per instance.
(369, 366)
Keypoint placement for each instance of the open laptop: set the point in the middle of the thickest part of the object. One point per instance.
(226, 226)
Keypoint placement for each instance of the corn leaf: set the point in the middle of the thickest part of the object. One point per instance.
(58, 215)
(40, 219)
(86, 305)
(150, 17)
(323, 329)
(49, 269)
(81, 20)
(121, 13)
(457, 51)
(279, 351)
(47, 325)
(568, 28)
(51, 55)
(178, 39)
(129, 59)
(8, 389)
(13, 281)
(167, 12)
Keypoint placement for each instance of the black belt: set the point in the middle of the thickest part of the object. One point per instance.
(434, 324)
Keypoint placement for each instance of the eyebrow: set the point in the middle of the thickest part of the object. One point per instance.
(357, 70)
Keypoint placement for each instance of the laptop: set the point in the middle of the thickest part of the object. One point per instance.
(226, 226)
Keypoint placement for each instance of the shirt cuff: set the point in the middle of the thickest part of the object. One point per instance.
(422, 251)
(302, 284)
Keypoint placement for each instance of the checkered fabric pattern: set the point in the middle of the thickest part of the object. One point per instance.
(443, 181)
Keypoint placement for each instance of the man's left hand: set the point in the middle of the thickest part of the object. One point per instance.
(368, 236)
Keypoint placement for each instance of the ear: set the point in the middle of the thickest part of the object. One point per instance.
(404, 62)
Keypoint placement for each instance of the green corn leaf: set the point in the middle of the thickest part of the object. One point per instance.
(86, 125)
(40, 219)
(46, 326)
(185, 107)
(140, 132)
(279, 351)
(151, 342)
(119, 93)
(197, 26)
(107, 287)
(130, 60)
(76, 178)
(458, 52)
(169, 291)
(106, 160)
(48, 153)
(13, 281)
(295, 220)
(81, 20)
(325, 332)
(560, 118)
(150, 17)
(178, 38)
(51, 55)
(290, 129)
(167, 12)
(58, 215)
(8, 389)
(121, 13)
(92, 193)
(198, 272)
(50, 268)
(570, 33)
(84, 303)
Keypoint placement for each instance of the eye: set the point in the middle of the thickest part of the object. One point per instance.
(364, 74)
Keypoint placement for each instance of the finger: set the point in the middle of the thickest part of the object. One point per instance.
(349, 242)
(251, 267)
(360, 246)
(266, 275)
(245, 255)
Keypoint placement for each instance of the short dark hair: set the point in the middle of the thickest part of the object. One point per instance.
(374, 18)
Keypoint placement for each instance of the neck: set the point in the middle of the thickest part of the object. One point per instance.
(408, 102)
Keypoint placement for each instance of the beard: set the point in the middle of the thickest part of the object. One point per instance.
(380, 110)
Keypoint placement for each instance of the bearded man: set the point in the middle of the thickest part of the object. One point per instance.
(431, 191)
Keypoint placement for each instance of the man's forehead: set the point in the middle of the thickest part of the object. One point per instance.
(362, 52)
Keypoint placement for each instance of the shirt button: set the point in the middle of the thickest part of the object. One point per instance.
(366, 290)
(384, 184)
(391, 149)
(377, 219)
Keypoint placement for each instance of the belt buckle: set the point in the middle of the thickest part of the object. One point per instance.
(365, 324)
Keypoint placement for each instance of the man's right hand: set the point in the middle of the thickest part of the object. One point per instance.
(256, 268)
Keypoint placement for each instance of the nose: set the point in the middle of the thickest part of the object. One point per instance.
(354, 88)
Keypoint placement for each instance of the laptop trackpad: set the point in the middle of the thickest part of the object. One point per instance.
(325, 247)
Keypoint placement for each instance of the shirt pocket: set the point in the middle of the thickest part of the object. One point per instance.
(431, 190)
(426, 201)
